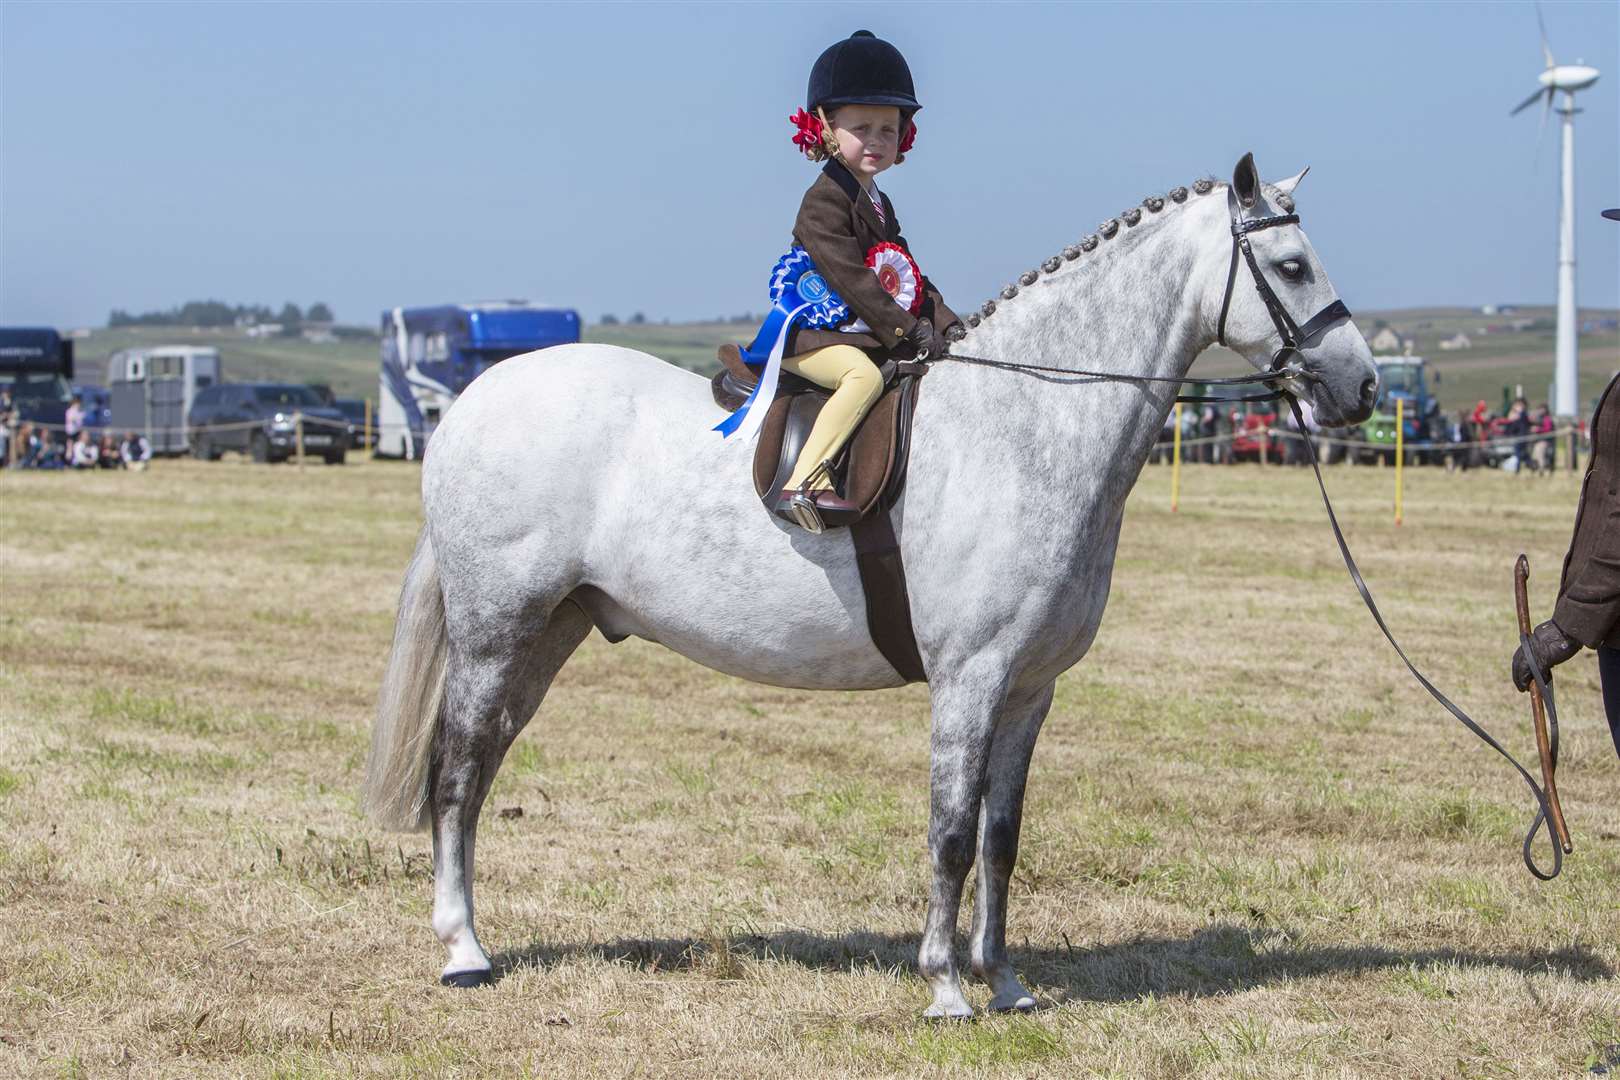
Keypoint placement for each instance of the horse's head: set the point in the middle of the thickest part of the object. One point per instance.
(1335, 368)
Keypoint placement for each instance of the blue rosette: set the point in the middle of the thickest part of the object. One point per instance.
(799, 296)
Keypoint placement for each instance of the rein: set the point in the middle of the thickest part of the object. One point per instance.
(1264, 379)
(1283, 369)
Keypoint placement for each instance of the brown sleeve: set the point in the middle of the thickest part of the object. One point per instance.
(1588, 608)
(826, 229)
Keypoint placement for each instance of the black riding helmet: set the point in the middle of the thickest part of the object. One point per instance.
(863, 69)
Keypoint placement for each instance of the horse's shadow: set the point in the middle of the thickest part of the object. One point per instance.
(1220, 959)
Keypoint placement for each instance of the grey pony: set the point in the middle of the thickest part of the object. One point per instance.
(548, 511)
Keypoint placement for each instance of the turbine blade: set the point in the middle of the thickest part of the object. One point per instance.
(1526, 103)
(1546, 50)
(1541, 128)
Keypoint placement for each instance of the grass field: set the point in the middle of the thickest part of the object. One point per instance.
(1253, 847)
(350, 366)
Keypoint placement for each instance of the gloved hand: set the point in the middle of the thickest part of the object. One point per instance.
(1551, 647)
(924, 336)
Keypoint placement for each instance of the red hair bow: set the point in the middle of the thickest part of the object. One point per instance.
(808, 136)
(908, 138)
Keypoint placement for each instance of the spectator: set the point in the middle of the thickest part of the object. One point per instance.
(1294, 451)
(47, 453)
(8, 418)
(83, 453)
(107, 456)
(1515, 425)
(1209, 422)
(73, 422)
(1543, 452)
(135, 451)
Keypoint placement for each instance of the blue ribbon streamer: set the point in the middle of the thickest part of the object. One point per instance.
(798, 294)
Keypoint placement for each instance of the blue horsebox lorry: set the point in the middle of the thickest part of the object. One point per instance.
(36, 366)
(431, 354)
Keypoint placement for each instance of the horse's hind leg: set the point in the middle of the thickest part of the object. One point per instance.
(493, 686)
(999, 821)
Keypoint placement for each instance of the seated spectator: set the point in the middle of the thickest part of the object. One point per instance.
(47, 452)
(27, 445)
(135, 451)
(107, 456)
(83, 453)
(8, 420)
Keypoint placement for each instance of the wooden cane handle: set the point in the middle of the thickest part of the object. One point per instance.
(1538, 710)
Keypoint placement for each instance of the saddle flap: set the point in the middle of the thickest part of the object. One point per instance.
(871, 468)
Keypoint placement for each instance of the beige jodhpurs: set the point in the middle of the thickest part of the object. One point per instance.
(856, 384)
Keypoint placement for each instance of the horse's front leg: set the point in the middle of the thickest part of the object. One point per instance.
(964, 714)
(1000, 819)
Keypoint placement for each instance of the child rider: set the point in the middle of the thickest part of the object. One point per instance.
(861, 106)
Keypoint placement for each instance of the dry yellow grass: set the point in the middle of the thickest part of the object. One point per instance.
(1253, 847)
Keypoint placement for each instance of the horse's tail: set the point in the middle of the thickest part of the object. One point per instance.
(396, 787)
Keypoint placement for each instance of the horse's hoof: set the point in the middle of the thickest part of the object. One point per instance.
(1021, 1004)
(958, 1013)
(467, 980)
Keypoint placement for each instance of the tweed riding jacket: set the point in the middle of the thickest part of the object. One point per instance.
(838, 225)
(1588, 607)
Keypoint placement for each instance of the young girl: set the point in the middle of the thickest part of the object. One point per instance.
(848, 293)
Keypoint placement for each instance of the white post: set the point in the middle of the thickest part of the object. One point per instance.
(1567, 371)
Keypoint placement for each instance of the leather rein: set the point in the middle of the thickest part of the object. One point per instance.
(1287, 364)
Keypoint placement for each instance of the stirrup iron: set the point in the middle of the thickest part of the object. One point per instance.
(802, 504)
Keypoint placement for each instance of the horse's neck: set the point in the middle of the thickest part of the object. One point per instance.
(1128, 307)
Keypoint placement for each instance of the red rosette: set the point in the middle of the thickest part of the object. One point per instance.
(897, 272)
(809, 133)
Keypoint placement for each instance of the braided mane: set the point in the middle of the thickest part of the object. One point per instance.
(1128, 219)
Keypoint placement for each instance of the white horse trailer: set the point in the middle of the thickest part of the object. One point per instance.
(152, 390)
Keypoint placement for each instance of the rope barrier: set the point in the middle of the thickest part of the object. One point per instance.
(1427, 446)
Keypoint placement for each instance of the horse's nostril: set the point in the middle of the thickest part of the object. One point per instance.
(1369, 390)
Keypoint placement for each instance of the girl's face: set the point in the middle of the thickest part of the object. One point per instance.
(868, 138)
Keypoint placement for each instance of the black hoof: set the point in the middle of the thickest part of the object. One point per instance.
(466, 980)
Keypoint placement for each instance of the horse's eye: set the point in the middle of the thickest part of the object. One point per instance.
(1292, 269)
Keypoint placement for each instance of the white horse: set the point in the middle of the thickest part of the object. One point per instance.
(582, 486)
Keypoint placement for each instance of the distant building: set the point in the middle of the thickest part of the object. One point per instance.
(264, 329)
(1386, 341)
(1487, 309)
(319, 335)
(1457, 341)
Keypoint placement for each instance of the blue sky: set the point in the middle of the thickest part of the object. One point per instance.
(636, 157)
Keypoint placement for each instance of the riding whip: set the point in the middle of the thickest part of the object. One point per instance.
(1546, 742)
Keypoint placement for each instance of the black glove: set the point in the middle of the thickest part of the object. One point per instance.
(1550, 645)
(923, 336)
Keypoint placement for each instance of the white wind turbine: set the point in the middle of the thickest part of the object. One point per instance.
(1566, 78)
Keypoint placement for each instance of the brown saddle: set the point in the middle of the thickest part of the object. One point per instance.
(870, 472)
(872, 467)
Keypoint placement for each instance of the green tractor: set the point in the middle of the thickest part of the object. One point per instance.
(1404, 379)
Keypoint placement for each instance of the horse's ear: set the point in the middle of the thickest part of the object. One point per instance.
(1246, 181)
(1287, 186)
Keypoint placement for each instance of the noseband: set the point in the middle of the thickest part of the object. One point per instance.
(1294, 337)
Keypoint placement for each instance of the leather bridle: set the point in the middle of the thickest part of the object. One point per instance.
(1294, 337)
